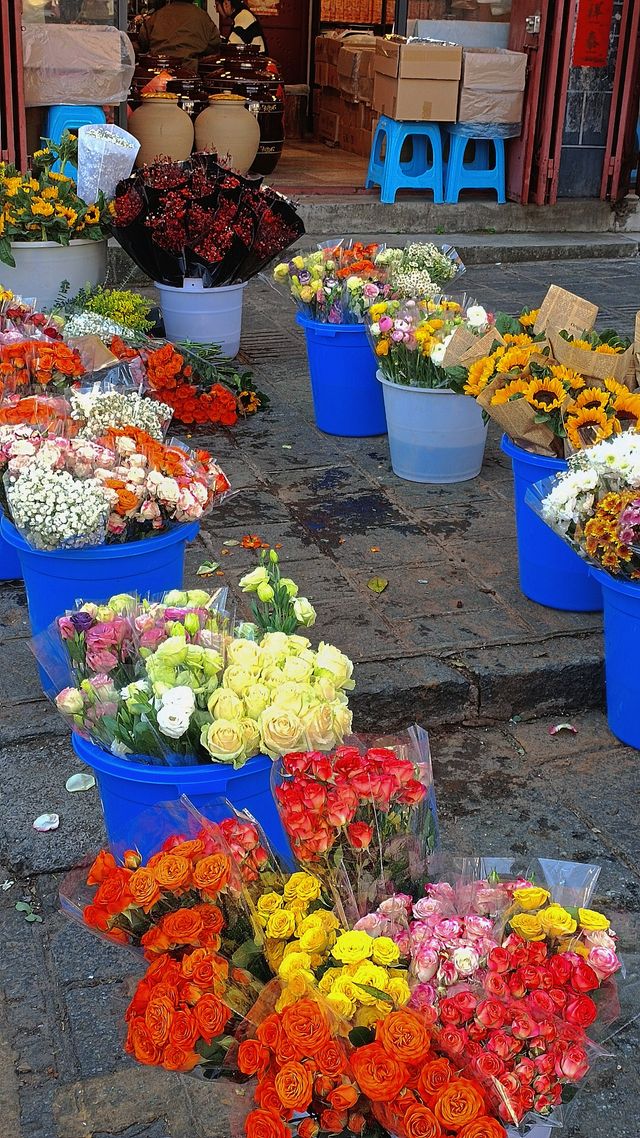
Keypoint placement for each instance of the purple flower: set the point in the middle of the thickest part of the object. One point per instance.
(304, 277)
(81, 621)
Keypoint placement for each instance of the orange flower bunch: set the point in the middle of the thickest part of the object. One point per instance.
(305, 1062)
(39, 411)
(192, 405)
(38, 363)
(357, 260)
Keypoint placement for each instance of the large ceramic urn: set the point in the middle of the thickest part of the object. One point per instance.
(227, 127)
(162, 128)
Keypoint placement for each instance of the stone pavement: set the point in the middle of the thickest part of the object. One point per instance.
(450, 643)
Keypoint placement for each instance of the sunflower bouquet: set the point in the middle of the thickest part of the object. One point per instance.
(43, 205)
(597, 355)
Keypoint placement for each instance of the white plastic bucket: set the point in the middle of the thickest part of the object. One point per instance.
(204, 315)
(434, 435)
(42, 266)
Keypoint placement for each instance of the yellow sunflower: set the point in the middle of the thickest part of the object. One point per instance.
(588, 426)
(514, 358)
(546, 394)
(12, 185)
(584, 344)
(50, 193)
(568, 376)
(511, 390)
(92, 216)
(614, 387)
(627, 409)
(528, 319)
(40, 208)
(521, 341)
(58, 177)
(479, 375)
(608, 350)
(593, 397)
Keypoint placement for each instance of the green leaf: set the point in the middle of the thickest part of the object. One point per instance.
(207, 569)
(231, 542)
(244, 954)
(377, 993)
(377, 584)
(360, 1036)
(23, 907)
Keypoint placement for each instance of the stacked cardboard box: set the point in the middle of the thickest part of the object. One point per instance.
(417, 81)
(493, 82)
(343, 92)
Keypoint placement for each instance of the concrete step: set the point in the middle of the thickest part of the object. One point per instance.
(506, 248)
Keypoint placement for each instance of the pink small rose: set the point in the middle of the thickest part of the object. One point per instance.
(603, 961)
(449, 929)
(423, 996)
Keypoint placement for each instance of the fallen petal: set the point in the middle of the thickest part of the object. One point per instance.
(46, 822)
(563, 727)
(79, 782)
(6, 885)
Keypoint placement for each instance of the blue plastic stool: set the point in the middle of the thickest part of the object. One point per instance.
(473, 176)
(418, 173)
(66, 117)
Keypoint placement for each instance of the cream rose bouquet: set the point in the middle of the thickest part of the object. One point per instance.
(192, 690)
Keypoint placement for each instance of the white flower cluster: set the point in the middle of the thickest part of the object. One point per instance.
(426, 257)
(617, 460)
(414, 282)
(53, 510)
(92, 324)
(103, 409)
(570, 502)
(611, 465)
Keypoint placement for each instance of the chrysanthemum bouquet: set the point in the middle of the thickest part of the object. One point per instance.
(410, 340)
(419, 269)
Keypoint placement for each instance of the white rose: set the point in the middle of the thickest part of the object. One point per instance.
(249, 583)
(334, 665)
(297, 670)
(245, 653)
(173, 721)
(476, 316)
(466, 961)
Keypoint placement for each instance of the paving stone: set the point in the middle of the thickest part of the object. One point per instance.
(424, 691)
(96, 1022)
(460, 628)
(14, 618)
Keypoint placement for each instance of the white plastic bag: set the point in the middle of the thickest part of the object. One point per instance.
(106, 155)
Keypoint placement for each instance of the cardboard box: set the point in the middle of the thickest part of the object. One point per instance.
(417, 60)
(490, 106)
(330, 100)
(329, 127)
(494, 69)
(351, 62)
(418, 100)
(321, 73)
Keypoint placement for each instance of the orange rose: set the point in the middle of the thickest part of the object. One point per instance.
(192, 848)
(404, 1034)
(459, 1103)
(268, 1098)
(172, 871)
(96, 918)
(264, 1124)
(270, 1032)
(433, 1077)
(203, 970)
(305, 1027)
(212, 1017)
(144, 888)
(379, 1076)
(308, 1128)
(356, 1122)
(332, 1121)
(131, 859)
(140, 1044)
(190, 993)
(420, 1122)
(211, 917)
(113, 893)
(483, 1127)
(104, 864)
(184, 1030)
(164, 970)
(294, 1084)
(331, 1059)
(182, 927)
(158, 1017)
(175, 1059)
(253, 1057)
(212, 873)
(344, 1097)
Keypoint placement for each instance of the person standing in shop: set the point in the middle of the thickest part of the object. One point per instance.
(246, 29)
(180, 29)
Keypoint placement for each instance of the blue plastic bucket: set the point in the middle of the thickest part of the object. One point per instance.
(621, 654)
(347, 399)
(9, 562)
(551, 573)
(54, 581)
(128, 789)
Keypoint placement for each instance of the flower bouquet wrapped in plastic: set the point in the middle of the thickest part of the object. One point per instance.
(414, 339)
(363, 819)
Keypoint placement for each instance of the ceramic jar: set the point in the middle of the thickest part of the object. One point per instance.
(162, 128)
(227, 127)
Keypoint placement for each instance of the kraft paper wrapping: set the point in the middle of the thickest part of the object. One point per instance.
(464, 348)
(592, 365)
(564, 310)
(636, 348)
(517, 420)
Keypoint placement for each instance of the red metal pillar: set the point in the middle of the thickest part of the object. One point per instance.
(13, 130)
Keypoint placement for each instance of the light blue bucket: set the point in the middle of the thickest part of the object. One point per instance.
(434, 435)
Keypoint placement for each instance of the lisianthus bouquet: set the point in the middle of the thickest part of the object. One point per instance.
(198, 219)
(361, 818)
(595, 504)
(121, 487)
(410, 339)
(195, 693)
(336, 284)
(42, 205)
(420, 269)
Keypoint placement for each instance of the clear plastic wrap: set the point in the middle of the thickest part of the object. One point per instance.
(362, 818)
(76, 64)
(106, 154)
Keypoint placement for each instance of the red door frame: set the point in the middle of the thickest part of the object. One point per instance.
(13, 140)
(623, 116)
(520, 150)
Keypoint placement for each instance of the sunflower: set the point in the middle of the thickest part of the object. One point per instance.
(627, 410)
(50, 193)
(608, 350)
(592, 397)
(58, 177)
(510, 391)
(514, 358)
(528, 319)
(12, 185)
(92, 216)
(614, 387)
(546, 394)
(40, 208)
(479, 375)
(587, 426)
(584, 344)
(249, 401)
(568, 376)
(521, 341)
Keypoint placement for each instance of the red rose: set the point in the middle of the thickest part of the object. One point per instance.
(583, 978)
(530, 976)
(524, 1026)
(544, 1064)
(411, 794)
(498, 960)
(543, 1103)
(467, 1004)
(540, 1005)
(559, 997)
(503, 1045)
(450, 1012)
(525, 1070)
(510, 1084)
(573, 1065)
(560, 969)
(320, 766)
(359, 835)
(477, 1032)
(489, 1065)
(516, 985)
(297, 762)
(538, 951)
(453, 1042)
(495, 986)
(490, 1014)
(580, 1011)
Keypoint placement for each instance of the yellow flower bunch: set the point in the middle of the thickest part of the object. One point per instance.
(544, 919)
(42, 205)
(299, 932)
(368, 985)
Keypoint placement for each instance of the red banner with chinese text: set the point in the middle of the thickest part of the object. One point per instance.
(593, 27)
